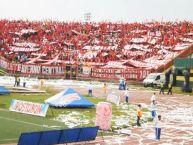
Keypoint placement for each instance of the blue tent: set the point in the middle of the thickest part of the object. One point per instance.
(69, 98)
(3, 90)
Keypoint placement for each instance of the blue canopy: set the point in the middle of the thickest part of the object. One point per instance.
(69, 98)
(3, 90)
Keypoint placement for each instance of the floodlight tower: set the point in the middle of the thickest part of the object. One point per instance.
(87, 17)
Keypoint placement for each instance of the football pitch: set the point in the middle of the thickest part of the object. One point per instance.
(12, 124)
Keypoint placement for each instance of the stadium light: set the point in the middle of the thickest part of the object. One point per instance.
(87, 17)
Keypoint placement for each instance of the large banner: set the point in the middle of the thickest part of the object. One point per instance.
(33, 69)
(113, 73)
(95, 72)
(29, 107)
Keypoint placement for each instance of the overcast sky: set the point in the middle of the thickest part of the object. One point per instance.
(109, 10)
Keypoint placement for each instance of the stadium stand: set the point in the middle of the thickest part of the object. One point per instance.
(149, 46)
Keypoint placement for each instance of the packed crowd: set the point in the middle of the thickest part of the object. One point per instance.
(54, 42)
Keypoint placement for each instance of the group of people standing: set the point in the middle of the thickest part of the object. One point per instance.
(90, 90)
(18, 81)
(162, 87)
(156, 118)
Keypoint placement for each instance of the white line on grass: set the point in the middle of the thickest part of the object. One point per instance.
(45, 126)
(13, 139)
(8, 139)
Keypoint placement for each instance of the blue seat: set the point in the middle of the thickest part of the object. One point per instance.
(29, 138)
(50, 137)
(69, 135)
(88, 133)
(59, 136)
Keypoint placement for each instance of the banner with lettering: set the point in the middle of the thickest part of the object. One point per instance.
(33, 69)
(116, 73)
(29, 107)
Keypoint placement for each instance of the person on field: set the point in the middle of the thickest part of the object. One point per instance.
(153, 109)
(24, 82)
(105, 90)
(139, 114)
(126, 95)
(162, 88)
(170, 89)
(90, 90)
(153, 97)
(15, 81)
(158, 127)
(18, 81)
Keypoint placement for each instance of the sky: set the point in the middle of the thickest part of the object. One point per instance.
(100, 10)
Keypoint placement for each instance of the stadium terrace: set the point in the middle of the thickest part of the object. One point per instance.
(98, 50)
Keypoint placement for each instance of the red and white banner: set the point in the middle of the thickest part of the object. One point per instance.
(32, 68)
(29, 108)
(110, 73)
(103, 73)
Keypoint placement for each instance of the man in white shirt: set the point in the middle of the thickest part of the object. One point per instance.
(158, 127)
(153, 109)
(126, 95)
(153, 97)
(24, 82)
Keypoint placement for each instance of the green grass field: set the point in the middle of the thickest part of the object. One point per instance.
(2, 72)
(12, 124)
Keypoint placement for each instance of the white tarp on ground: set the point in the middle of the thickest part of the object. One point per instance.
(69, 98)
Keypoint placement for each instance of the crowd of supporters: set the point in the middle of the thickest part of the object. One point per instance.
(40, 42)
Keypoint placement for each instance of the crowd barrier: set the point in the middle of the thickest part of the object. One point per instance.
(72, 71)
(59, 136)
